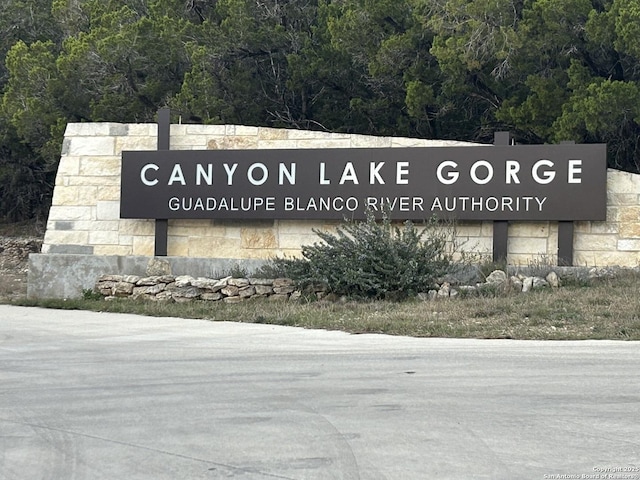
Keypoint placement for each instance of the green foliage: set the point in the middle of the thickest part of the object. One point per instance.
(547, 70)
(374, 259)
(91, 294)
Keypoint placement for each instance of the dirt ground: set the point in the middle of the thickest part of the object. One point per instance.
(14, 255)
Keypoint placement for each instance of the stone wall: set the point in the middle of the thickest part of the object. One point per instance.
(84, 217)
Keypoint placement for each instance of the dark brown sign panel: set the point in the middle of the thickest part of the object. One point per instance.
(521, 182)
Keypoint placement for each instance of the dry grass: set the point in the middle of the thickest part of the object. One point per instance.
(604, 309)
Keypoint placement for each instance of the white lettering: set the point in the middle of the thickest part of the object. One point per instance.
(323, 179)
(143, 174)
(349, 174)
(374, 173)
(474, 176)
(547, 177)
(452, 177)
(257, 181)
(575, 169)
(290, 174)
(402, 170)
(177, 175)
(230, 172)
(208, 175)
(513, 167)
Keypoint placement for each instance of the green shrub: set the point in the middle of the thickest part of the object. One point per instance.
(372, 258)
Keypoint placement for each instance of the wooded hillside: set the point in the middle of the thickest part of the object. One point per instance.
(547, 70)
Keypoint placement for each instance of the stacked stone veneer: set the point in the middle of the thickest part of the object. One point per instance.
(84, 217)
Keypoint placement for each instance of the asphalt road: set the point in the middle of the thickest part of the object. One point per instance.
(105, 396)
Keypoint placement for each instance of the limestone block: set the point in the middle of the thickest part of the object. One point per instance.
(622, 182)
(197, 142)
(367, 141)
(188, 223)
(108, 193)
(88, 129)
(529, 229)
(258, 238)
(122, 250)
(399, 142)
(142, 130)
(203, 283)
(143, 246)
(66, 237)
(97, 237)
(86, 146)
(184, 281)
(629, 214)
(191, 129)
(148, 290)
(265, 133)
(622, 199)
(106, 180)
(68, 166)
(87, 195)
(584, 258)
(136, 227)
(277, 144)
(487, 229)
(122, 289)
(184, 294)
(125, 240)
(65, 195)
(296, 241)
(468, 229)
(108, 210)
(230, 291)
(629, 245)
(613, 213)
(519, 259)
(131, 143)
(232, 143)
(211, 296)
(605, 227)
(178, 246)
(244, 130)
(297, 226)
(308, 135)
(264, 289)
(189, 231)
(613, 258)
(582, 227)
(476, 245)
(595, 242)
(247, 291)
(324, 143)
(178, 130)
(70, 213)
(214, 247)
(531, 246)
(629, 230)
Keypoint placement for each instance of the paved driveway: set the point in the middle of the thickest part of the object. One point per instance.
(106, 396)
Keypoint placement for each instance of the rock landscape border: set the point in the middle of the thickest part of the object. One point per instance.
(229, 289)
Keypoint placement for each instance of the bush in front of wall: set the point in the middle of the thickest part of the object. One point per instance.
(372, 258)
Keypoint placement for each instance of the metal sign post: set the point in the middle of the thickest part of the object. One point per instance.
(162, 225)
